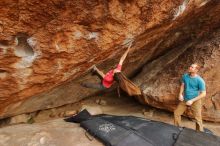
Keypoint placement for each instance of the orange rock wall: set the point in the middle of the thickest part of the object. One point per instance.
(162, 89)
(47, 47)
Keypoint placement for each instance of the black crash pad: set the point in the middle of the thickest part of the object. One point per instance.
(189, 137)
(135, 131)
(130, 131)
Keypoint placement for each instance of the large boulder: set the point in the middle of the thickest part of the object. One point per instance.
(160, 79)
(47, 48)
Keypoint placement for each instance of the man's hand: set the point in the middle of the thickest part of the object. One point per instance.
(181, 97)
(189, 102)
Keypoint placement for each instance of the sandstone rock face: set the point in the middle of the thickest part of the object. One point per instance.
(47, 48)
(161, 86)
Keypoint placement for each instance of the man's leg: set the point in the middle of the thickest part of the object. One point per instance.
(197, 113)
(178, 112)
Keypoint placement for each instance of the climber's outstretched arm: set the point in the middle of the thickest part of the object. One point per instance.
(124, 56)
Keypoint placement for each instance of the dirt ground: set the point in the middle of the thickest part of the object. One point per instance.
(124, 105)
(49, 127)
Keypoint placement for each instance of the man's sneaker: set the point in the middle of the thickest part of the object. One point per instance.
(208, 131)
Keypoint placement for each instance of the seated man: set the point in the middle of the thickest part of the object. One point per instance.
(108, 78)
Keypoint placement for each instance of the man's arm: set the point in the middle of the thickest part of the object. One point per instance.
(181, 92)
(201, 95)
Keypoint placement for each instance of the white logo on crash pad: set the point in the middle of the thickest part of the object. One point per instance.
(106, 127)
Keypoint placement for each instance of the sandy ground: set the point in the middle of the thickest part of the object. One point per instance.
(129, 106)
(50, 128)
(115, 105)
